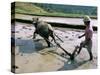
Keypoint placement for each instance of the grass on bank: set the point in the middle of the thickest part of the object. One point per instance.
(31, 9)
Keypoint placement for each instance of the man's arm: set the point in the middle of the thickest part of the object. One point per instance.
(81, 36)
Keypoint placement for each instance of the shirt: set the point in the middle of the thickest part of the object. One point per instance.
(88, 32)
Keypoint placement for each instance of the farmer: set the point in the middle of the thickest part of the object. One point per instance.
(88, 37)
(87, 43)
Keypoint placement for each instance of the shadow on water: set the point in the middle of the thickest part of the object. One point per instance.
(28, 46)
(71, 65)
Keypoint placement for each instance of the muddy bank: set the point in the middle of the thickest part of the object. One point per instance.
(56, 24)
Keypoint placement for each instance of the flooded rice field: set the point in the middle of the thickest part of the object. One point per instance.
(33, 55)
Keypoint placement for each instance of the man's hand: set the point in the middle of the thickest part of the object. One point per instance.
(79, 37)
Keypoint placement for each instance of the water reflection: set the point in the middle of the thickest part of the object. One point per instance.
(28, 46)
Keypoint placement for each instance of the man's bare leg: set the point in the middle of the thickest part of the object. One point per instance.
(89, 48)
(80, 48)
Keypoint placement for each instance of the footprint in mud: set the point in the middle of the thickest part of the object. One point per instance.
(66, 36)
(30, 29)
(24, 27)
(71, 39)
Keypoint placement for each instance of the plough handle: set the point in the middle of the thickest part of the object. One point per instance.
(58, 37)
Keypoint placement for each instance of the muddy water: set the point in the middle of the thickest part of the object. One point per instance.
(24, 35)
(34, 56)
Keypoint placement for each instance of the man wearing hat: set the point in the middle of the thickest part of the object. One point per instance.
(87, 43)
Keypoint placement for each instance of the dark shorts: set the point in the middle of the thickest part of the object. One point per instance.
(87, 44)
